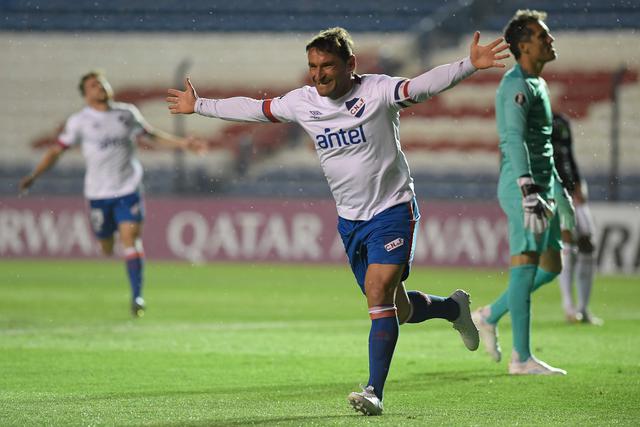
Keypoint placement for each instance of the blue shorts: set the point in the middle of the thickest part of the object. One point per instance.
(106, 214)
(387, 238)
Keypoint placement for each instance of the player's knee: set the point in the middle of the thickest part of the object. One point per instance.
(107, 251)
(106, 245)
(567, 237)
(379, 294)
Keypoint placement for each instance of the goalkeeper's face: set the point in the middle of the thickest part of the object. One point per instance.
(331, 75)
(540, 45)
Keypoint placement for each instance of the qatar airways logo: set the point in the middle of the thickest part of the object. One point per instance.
(340, 138)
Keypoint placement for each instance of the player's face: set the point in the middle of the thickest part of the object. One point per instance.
(330, 74)
(540, 45)
(97, 89)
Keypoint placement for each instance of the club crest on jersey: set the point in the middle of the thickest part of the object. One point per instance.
(394, 244)
(520, 98)
(355, 106)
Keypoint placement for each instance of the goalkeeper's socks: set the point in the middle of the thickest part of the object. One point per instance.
(382, 342)
(542, 278)
(500, 307)
(135, 264)
(521, 279)
(426, 307)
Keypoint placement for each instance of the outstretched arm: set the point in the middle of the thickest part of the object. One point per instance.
(166, 140)
(446, 76)
(48, 160)
(240, 109)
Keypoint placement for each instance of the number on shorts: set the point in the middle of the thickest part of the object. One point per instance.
(96, 216)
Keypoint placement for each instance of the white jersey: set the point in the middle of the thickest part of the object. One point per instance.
(108, 141)
(357, 137)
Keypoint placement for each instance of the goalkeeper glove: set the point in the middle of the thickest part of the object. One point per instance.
(566, 211)
(536, 210)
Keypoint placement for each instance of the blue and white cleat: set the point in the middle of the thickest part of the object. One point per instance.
(464, 324)
(366, 402)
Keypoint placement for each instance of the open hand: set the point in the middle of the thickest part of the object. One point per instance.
(488, 56)
(182, 102)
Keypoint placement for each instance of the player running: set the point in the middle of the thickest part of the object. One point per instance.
(577, 254)
(528, 190)
(108, 132)
(353, 121)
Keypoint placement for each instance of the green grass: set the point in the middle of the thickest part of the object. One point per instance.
(284, 345)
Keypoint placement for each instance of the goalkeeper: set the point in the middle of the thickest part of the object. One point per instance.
(529, 190)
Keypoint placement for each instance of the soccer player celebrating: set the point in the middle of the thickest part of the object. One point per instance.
(577, 253)
(527, 189)
(108, 132)
(353, 121)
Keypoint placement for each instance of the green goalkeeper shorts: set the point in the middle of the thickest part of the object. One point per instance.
(522, 240)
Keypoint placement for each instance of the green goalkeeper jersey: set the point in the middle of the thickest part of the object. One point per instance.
(524, 118)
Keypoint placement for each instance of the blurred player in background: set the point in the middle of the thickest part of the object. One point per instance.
(353, 121)
(578, 251)
(529, 191)
(108, 132)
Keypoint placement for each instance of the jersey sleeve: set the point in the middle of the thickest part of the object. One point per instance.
(391, 90)
(406, 92)
(70, 134)
(140, 125)
(516, 98)
(242, 109)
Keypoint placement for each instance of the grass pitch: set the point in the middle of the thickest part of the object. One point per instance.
(284, 345)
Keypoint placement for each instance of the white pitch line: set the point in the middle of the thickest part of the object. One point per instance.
(139, 326)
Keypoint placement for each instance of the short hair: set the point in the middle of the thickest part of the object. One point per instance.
(89, 75)
(517, 30)
(334, 40)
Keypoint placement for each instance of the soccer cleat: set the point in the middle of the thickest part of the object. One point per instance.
(366, 401)
(572, 317)
(488, 332)
(532, 366)
(589, 319)
(137, 307)
(463, 323)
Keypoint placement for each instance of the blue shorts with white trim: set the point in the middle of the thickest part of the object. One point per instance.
(106, 214)
(387, 238)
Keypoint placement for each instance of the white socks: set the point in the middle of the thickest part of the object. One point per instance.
(584, 280)
(569, 255)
